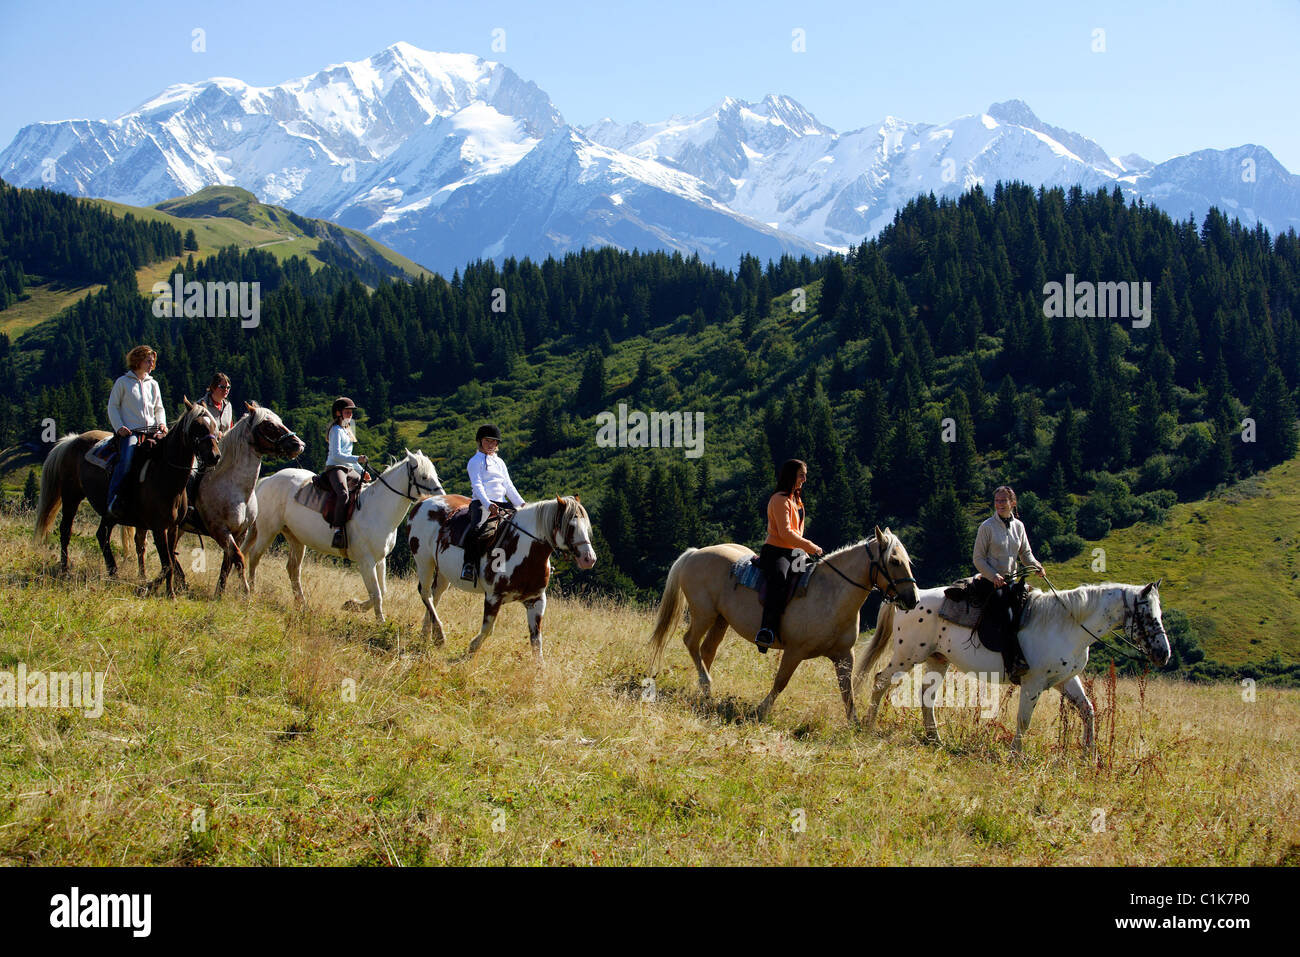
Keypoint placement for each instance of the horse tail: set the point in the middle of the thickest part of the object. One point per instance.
(51, 487)
(879, 642)
(670, 610)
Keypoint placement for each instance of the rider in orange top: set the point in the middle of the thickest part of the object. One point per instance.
(785, 521)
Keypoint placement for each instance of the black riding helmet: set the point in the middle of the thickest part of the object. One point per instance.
(488, 431)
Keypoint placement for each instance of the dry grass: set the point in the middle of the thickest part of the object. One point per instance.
(317, 736)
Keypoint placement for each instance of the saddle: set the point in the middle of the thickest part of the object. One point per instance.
(748, 574)
(319, 495)
(103, 454)
(963, 601)
(457, 526)
(966, 603)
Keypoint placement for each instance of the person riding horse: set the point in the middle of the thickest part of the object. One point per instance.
(492, 490)
(217, 401)
(785, 522)
(135, 408)
(1001, 546)
(341, 462)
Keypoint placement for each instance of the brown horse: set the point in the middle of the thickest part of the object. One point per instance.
(156, 501)
(821, 623)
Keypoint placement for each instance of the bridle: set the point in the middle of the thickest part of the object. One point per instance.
(876, 565)
(195, 444)
(411, 483)
(1132, 631)
(554, 542)
(273, 446)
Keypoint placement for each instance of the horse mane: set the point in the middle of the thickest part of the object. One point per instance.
(1042, 608)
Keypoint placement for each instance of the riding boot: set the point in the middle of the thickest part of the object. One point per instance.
(469, 570)
(116, 505)
(340, 522)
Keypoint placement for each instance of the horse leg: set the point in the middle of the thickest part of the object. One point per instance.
(141, 540)
(165, 557)
(789, 662)
(844, 674)
(296, 549)
(1073, 689)
(931, 681)
(440, 586)
(103, 535)
(491, 605)
(536, 609)
(372, 576)
(178, 569)
(1029, 694)
(71, 502)
(694, 635)
(432, 625)
(709, 648)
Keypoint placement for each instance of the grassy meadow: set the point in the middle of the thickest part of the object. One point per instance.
(238, 732)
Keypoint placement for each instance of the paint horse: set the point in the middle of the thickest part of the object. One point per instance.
(516, 568)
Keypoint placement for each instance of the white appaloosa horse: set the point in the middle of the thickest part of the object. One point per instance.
(225, 500)
(371, 532)
(823, 622)
(1055, 633)
(517, 568)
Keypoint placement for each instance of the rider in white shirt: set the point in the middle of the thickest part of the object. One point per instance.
(134, 404)
(490, 481)
(341, 461)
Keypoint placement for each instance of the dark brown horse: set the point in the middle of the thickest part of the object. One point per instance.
(156, 501)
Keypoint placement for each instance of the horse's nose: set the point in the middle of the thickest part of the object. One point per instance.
(587, 559)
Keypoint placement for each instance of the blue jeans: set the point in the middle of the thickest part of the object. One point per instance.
(125, 455)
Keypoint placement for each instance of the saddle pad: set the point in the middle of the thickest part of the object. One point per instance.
(748, 574)
(103, 454)
(960, 612)
(311, 496)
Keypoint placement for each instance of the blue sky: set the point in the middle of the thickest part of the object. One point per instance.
(1173, 77)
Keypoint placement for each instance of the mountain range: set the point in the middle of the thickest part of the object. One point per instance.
(447, 158)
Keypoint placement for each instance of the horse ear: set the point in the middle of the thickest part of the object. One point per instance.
(880, 535)
(577, 498)
(1159, 581)
(188, 404)
(249, 406)
(1148, 587)
(560, 499)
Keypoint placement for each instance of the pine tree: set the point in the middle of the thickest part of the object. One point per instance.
(947, 534)
(591, 388)
(1065, 446)
(1275, 421)
(31, 490)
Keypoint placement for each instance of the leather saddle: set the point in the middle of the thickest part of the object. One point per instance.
(457, 526)
(748, 574)
(318, 494)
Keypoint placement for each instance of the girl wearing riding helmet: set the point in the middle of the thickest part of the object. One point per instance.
(785, 522)
(341, 461)
(490, 481)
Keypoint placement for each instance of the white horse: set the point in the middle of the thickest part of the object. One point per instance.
(371, 531)
(518, 568)
(1055, 634)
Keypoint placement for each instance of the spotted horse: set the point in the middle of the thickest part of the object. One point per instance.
(516, 568)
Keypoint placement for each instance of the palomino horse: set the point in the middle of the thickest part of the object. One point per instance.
(1055, 633)
(156, 502)
(821, 623)
(517, 569)
(371, 531)
(225, 502)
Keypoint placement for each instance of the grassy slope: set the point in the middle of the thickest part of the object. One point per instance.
(239, 710)
(220, 217)
(1232, 564)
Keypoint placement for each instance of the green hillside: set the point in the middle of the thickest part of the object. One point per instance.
(1231, 564)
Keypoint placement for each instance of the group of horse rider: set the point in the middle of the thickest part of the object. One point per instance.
(137, 414)
(135, 409)
(1001, 548)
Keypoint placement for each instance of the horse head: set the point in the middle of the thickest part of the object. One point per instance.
(571, 533)
(268, 435)
(1146, 627)
(422, 475)
(891, 569)
(199, 433)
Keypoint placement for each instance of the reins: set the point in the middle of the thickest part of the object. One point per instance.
(1114, 632)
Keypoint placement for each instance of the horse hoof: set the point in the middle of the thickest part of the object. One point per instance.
(351, 605)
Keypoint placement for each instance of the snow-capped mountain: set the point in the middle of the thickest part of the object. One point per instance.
(775, 163)
(448, 157)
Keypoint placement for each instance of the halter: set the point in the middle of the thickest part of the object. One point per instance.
(256, 436)
(412, 483)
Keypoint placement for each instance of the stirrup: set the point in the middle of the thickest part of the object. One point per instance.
(468, 572)
(762, 645)
(338, 539)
